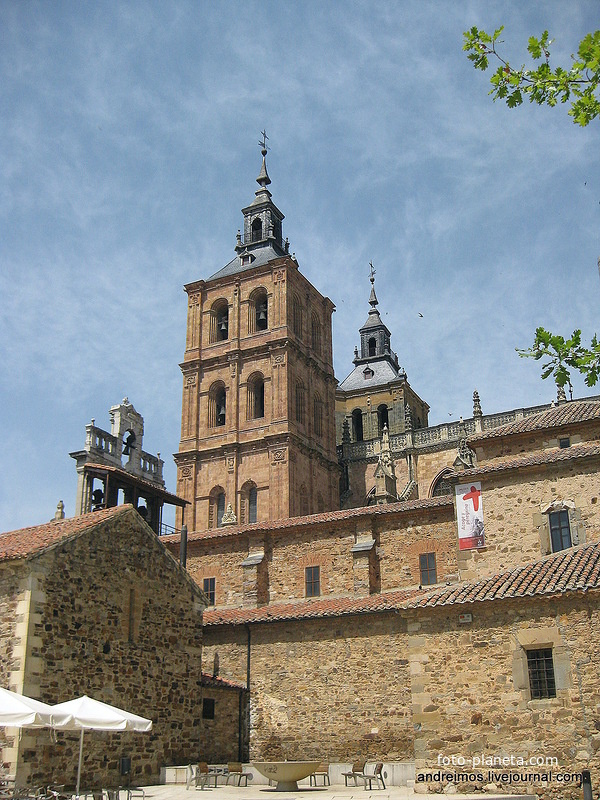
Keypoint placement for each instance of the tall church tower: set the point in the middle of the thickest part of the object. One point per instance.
(257, 429)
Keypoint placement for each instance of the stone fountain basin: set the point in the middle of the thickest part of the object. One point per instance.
(286, 773)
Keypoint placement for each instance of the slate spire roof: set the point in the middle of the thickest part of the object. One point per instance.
(377, 364)
(261, 239)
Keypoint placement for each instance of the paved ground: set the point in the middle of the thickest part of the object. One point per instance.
(335, 792)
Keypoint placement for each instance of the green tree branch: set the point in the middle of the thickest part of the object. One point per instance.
(578, 85)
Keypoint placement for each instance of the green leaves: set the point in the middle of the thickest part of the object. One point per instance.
(544, 85)
(565, 355)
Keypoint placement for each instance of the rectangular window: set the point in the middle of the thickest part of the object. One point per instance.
(560, 530)
(427, 569)
(313, 581)
(208, 708)
(541, 673)
(564, 443)
(209, 589)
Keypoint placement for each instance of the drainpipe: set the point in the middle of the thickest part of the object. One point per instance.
(247, 687)
(183, 547)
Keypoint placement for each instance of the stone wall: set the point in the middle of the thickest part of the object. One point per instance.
(512, 503)
(115, 618)
(13, 639)
(333, 690)
(224, 738)
(470, 687)
(399, 540)
(494, 448)
(426, 684)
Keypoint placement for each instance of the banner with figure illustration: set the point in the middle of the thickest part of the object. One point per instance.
(469, 516)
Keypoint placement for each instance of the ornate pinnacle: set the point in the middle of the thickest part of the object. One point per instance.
(476, 405)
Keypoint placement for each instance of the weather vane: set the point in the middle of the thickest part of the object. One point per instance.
(263, 144)
(372, 272)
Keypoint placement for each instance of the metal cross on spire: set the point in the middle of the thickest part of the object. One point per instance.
(263, 143)
(372, 272)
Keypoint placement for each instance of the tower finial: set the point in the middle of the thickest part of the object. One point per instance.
(263, 143)
(263, 179)
(373, 298)
(372, 272)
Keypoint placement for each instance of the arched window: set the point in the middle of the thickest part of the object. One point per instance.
(216, 507)
(219, 322)
(257, 229)
(382, 418)
(297, 316)
(217, 405)
(300, 402)
(258, 310)
(357, 425)
(248, 503)
(441, 484)
(315, 334)
(255, 407)
(303, 497)
(318, 415)
(372, 346)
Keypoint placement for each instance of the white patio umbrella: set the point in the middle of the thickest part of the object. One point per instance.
(18, 711)
(84, 713)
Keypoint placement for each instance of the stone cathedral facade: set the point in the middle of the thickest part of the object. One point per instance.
(383, 589)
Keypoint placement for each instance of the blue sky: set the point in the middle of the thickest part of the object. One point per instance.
(128, 141)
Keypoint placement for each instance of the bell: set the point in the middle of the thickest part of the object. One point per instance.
(262, 314)
(221, 414)
(223, 325)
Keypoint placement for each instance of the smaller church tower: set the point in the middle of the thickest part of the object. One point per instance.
(375, 397)
(113, 469)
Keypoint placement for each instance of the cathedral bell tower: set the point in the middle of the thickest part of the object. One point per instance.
(257, 430)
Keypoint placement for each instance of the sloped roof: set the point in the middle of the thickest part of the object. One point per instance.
(314, 519)
(383, 372)
(262, 255)
(573, 570)
(29, 542)
(141, 483)
(26, 542)
(569, 413)
(220, 683)
(554, 456)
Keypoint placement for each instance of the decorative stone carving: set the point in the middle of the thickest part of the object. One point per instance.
(279, 456)
(229, 517)
(190, 381)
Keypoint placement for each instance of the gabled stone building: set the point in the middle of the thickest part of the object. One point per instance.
(96, 605)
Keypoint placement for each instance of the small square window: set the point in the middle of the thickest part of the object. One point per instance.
(209, 589)
(564, 443)
(313, 581)
(560, 530)
(541, 673)
(208, 708)
(427, 569)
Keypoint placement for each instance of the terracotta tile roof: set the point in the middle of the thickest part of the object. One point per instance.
(540, 457)
(571, 570)
(314, 519)
(141, 483)
(565, 414)
(220, 683)
(28, 541)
